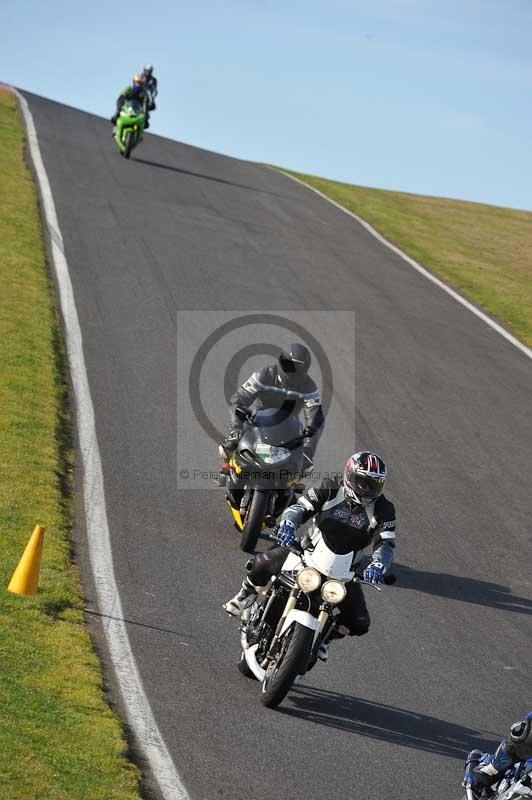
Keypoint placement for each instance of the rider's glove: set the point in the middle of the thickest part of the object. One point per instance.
(114, 118)
(231, 440)
(374, 573)
(286, 532)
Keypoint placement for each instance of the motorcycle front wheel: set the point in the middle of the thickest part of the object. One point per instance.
(255, 515)
(129, 143)
(287, 665)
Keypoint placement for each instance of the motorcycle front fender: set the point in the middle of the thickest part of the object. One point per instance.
(304, 618)
(250, 654)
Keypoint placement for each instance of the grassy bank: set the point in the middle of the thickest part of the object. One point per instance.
(483, 251)
(58, 738)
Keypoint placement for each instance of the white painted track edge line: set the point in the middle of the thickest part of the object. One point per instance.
(422, 270)
(138, 710)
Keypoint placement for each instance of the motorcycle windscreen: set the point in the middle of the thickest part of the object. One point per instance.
(278, 427)
(133, 107)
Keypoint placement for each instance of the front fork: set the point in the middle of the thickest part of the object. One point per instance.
(290, 605)
(246, 499)
(323, 617)
(327, 626)
(322, 634)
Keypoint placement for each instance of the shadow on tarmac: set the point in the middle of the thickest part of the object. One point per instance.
(457, 587)
(203, 176)
(135, 622)
(397, 726)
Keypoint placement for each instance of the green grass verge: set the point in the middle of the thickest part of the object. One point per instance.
(483, 251)
(59, 739)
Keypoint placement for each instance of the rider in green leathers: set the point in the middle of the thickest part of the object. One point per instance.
(136, 90)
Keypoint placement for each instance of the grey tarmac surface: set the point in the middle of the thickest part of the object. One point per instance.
(441, 396)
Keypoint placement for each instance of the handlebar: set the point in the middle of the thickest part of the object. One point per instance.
(298, 550)
(295, 547)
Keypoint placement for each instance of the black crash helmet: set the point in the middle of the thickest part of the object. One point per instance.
(294, 361)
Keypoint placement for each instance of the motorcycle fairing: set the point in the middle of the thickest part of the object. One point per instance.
(292, 562)
(236, 516)
(131, 117)
(327, 562)
(323, 559)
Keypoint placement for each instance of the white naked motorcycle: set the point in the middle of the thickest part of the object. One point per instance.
(294, 615)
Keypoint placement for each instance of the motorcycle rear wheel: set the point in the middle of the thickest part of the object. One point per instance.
(253, 523)
(129, 144)
(291, 662)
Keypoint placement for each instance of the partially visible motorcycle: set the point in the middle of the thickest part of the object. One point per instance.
(130, 126)
(265, 471)
(282, 631)
(515, 783)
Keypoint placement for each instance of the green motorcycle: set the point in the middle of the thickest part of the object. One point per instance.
(130, 126)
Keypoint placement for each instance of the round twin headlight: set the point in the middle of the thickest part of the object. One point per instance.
(309, 579)
(333, 592)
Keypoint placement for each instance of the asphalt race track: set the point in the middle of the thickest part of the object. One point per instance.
(443, 398)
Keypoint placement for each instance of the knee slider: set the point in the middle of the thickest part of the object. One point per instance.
(258, 569)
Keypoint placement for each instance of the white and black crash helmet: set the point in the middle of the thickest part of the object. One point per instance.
(148, 70)
(364, 477)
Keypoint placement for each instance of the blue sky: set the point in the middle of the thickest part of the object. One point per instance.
(417, 95)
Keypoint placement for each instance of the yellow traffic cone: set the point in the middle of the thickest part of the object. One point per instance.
(26, 576)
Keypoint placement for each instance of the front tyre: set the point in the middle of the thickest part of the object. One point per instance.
(129, 143)
(290, 661)
(255, 515)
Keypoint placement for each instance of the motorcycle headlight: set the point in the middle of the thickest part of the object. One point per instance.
(271, 454)
(309, 579)
(333, 592)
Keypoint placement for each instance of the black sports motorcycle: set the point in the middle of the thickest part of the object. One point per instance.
(265, 471)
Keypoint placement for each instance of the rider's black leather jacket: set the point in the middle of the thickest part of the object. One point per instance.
(345, 527)
(151, 85)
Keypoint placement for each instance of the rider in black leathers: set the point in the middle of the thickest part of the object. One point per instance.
(352, 514)
(150, 82)
(287, 386)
